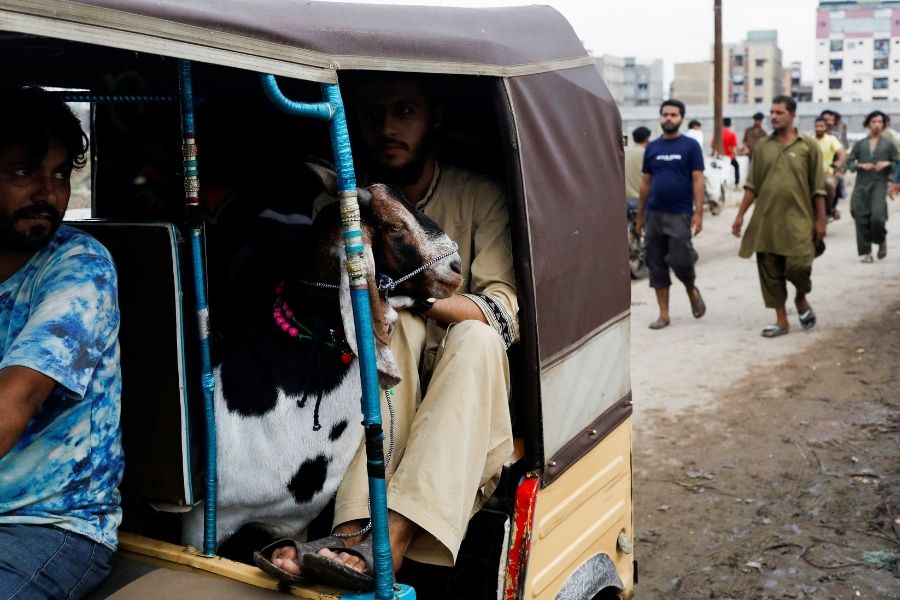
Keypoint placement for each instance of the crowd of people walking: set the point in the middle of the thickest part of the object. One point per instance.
(794, 182)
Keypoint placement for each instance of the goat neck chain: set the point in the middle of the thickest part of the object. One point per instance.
(284, 320)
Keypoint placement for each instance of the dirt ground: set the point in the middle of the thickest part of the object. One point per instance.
(770, 468)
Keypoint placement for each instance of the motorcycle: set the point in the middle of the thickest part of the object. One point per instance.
(636, 260)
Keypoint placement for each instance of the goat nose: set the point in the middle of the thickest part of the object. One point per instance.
(456, 265)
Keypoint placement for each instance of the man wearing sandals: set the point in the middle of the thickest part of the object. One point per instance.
(873, 159)
(670, 210)
(451, 425)
(787, 183)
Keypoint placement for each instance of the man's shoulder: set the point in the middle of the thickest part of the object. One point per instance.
(71, 239)
(70, 243)
(460, 177)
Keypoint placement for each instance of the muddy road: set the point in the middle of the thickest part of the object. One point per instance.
(770, 468)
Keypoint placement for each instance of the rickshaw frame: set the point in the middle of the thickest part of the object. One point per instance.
(565, 182)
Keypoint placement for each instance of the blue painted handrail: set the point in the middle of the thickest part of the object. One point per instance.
(332, 110)
(192, 201)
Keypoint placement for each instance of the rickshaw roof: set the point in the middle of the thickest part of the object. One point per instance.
(338, 35)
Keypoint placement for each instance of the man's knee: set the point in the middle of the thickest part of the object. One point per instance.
(475, 336)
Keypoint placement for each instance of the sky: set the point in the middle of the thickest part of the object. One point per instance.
(674, 30)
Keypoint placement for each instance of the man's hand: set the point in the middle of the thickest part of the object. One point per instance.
(882, 164)
(697, 222)
(819, 230)
(737, 225)
(893, 190)
(865, 166)
(639, 224)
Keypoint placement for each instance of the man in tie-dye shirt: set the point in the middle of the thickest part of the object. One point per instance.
(60, 451)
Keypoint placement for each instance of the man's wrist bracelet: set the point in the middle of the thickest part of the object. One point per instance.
(423, 306)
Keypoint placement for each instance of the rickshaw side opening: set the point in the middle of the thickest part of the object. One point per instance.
(502, 133)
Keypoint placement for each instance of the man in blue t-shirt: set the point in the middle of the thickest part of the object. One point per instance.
(671, 210)
(60, 449)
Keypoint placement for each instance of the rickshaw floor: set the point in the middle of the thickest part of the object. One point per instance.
(476, 573)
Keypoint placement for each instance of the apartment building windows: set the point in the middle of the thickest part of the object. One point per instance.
(879, 64)
(836, 65)
(882, 48)
(879, 83)
(834, 84)
(758, 81)
(837, 45)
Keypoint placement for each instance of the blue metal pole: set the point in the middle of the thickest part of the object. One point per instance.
(333, 110)
(191, 198)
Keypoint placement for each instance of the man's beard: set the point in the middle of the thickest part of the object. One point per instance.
(35, 237)
(406, 174)
(669, 127)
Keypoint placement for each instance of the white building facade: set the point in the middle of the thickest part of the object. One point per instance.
(857, 51)
(632, 81)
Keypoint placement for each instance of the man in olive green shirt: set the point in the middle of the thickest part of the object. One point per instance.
(787, 183)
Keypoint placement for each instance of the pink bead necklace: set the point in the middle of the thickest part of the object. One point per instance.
(284, 320)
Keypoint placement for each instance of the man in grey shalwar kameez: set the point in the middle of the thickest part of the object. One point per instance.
(873, 158)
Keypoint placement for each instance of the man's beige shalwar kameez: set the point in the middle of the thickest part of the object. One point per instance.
(452, 430)
(780, 232)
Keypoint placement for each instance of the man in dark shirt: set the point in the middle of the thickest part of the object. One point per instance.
(671, 207)
(753, 134)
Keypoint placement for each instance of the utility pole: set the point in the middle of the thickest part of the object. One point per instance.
(717, 78)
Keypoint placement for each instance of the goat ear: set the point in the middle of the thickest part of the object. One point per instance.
(382, 319)
(326, 175)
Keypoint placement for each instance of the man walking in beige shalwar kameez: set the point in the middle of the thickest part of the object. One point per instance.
(787, 183)
(452, 430)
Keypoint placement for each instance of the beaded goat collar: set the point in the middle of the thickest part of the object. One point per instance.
(284, 320)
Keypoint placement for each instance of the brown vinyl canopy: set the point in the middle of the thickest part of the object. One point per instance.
(564, 131)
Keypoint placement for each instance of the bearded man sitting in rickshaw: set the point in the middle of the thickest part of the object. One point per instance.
(452, 430)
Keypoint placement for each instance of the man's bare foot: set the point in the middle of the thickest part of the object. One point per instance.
(401, 531)
(286, 559)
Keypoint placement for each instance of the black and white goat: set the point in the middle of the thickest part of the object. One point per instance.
(287, 397)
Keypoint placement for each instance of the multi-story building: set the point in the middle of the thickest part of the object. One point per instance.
(632, 81)
(753, 68)
(857, 51)
(793, 86)
(693, 83)
(752, 73)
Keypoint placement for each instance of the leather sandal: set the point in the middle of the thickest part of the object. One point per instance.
(263, 558)
(770, 331)
(328, 570)
(698, 307)
(807, 317)
(659, 323)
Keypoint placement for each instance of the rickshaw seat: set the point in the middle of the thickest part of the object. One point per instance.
(156, 434)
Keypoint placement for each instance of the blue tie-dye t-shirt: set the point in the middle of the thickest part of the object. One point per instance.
(59, 315)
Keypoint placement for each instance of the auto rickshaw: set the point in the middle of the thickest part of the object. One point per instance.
(528, 108)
